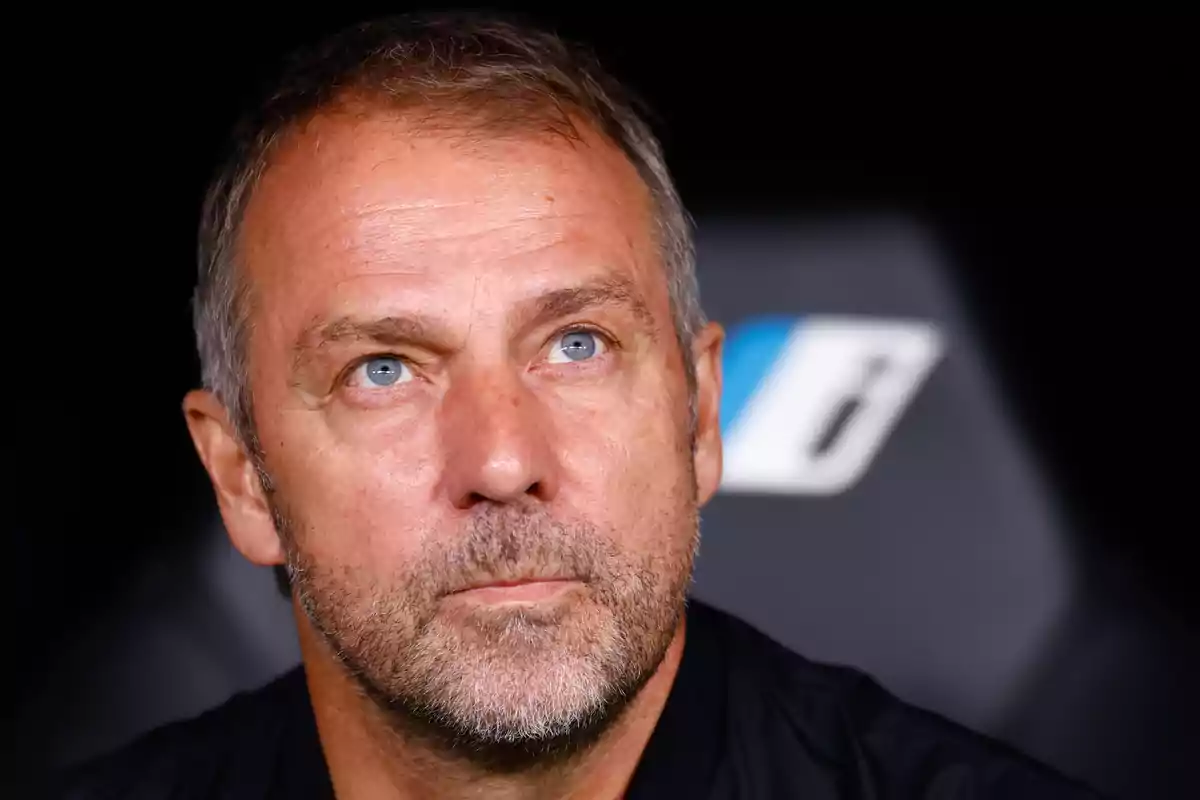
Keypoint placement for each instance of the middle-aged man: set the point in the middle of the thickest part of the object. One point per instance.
(459, 383)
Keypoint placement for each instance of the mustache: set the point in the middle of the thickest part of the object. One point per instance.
(507, 544)
(495, 544)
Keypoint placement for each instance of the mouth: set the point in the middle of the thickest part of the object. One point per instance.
(521, 590)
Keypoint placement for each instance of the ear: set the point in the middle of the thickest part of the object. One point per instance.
(706, 354)
(240, 494)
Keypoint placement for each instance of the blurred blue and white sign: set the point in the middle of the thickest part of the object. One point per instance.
(809, 401)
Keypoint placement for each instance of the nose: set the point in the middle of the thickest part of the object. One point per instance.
(495, 435)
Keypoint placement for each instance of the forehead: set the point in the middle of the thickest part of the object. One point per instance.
(374, 201)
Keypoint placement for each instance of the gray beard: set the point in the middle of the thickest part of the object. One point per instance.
(510, 688)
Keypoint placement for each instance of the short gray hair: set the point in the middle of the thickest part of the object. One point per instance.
(478, 69)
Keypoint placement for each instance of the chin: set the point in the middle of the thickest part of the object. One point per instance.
(511, 686)
(506, 685)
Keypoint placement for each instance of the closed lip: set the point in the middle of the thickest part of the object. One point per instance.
(500, 583)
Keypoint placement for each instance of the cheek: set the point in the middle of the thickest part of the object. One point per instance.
(360, 499)
(625, 456)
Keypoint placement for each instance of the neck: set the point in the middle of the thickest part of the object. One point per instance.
(369, 759)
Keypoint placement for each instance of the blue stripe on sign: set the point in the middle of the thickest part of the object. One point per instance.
(751, 349)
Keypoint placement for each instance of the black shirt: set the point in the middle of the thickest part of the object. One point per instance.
(745, 718)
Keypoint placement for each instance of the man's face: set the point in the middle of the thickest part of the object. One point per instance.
(473, 411)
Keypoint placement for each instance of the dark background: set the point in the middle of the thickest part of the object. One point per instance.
(1055, 158)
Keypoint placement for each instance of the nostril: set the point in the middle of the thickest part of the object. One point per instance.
(536, 489)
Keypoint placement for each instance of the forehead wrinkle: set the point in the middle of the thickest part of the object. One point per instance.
(407, 248)
(404, 217)
(374, 231)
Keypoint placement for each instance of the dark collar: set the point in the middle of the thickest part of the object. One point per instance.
(684, 751)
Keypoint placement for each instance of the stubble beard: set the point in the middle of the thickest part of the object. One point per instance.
(505, 687)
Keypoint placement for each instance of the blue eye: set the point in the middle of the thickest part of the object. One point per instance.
(381, 372)
(576, 346)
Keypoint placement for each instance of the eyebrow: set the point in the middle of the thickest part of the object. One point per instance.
(392, 331)
(389, 331)
(607, 291)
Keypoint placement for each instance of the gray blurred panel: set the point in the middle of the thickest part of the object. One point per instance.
(942, 570)
(199, 624)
